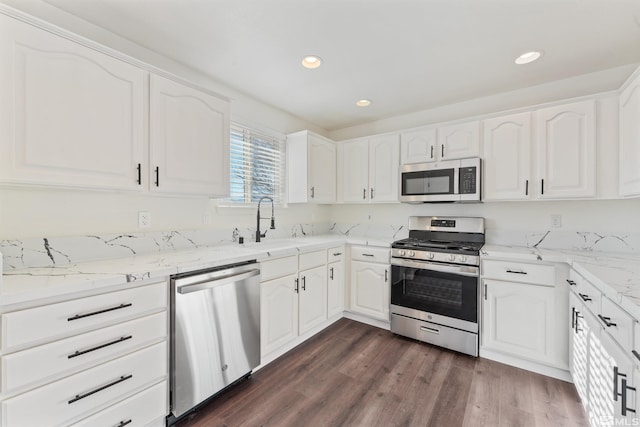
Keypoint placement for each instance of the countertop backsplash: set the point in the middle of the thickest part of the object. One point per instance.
(590, 241)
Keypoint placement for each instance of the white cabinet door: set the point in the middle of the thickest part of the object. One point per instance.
(278, 313)
(71, 116)
(518, 318)
(354, 163)
(507, 157)
(630, 140)
(418, 146)
(189, 137)
(335, 289)
(459, 141)
(370, 289)
(383, 168)
(578, 347)
(566, 151)
(322, 170)
(312, 309)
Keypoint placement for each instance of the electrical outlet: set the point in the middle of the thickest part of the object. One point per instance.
(144, 219)
(556, 221)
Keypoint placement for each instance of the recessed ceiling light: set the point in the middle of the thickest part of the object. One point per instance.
(363, 103)
(528, 57)
(311, 61)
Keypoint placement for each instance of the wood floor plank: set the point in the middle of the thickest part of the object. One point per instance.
(353, 374)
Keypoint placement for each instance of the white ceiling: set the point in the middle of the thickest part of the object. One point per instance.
(404, 55)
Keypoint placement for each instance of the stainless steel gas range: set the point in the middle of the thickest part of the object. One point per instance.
(435, 282)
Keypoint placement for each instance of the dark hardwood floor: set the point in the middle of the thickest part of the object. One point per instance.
(353, 374)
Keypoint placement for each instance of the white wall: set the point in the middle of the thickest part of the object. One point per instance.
(579, 215)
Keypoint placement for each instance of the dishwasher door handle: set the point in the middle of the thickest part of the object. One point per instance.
(218, 281)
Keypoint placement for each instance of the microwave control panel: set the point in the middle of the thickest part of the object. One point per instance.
(468, 180)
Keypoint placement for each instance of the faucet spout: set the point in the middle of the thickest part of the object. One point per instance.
(273, 219)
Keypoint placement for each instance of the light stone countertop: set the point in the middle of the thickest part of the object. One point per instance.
(42, 285)
(616, 275)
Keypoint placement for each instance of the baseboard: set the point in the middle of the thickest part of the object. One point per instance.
(528, 365)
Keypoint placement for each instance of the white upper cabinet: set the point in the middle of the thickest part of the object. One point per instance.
(507, 157)
(459, 141)
(189, 140)
(629, 184)
(71, 116)
(368, 170)
(566, 151)
(418, 146)
(311, 168)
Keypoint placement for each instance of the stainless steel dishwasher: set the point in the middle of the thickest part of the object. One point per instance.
(215, 331)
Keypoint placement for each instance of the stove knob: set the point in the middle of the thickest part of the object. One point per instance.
(402, 252)
(412, 253)
(431, 255)
(452, 257)
(463, 258)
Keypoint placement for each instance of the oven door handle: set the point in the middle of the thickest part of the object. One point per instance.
(463, 270)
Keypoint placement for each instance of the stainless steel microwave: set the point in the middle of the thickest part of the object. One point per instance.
(446, 181)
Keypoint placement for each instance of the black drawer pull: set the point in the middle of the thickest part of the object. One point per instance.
(571, 282)
(337, 253)
(636, 354)
(81, 352)
(124, 423)
(606, 321)
(516, 272)
(89, 393)
(367, 255)
(93, 313)
(585, 297)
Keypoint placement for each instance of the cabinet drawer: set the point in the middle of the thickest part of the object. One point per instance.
(84, 393)
(79, 352)
(370, 254)
(335, 254)
(312, 259)
(54, 321)
(280, 267)
(137, 411)
(519, 272)
(586, 292)
(620, 323)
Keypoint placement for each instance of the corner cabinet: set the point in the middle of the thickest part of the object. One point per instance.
(71, 116)
(189, 140)
(629, 181)
(368, 170)
(567, 150)
(311, 168)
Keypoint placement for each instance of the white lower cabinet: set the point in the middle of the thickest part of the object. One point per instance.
(335, 289)
(524, 313)
(278, 313)
(312, 300)
(98, 353)
(370, 289)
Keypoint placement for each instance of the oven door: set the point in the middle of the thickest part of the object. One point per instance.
(446, 294)
(430, 182)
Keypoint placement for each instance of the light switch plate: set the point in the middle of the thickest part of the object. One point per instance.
(144, 219)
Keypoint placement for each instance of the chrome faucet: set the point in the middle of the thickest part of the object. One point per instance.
(273, 219)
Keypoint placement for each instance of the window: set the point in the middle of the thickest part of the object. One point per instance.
(257, 166)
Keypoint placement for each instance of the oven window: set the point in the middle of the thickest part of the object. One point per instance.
(427, 182)
(447, 294)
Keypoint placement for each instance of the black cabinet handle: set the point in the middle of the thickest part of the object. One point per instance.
(139, 174)
(98, 347)
(442, 150)
(516, 272)
(99, 389)
(571, 282)
(331, 273)
(585, 297)
(542, 185)
(526, 188)
(607, 321)
(364, 193)
(367, 255)
(313, 192)
(432, 151)
(297, 288)
(636, 354)
(386, 275)
(372, 193)
(623, 404)
(124, 423)
(304, 283)
(157, 176)
(485, 292)
(93, 313)
(337, 253)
